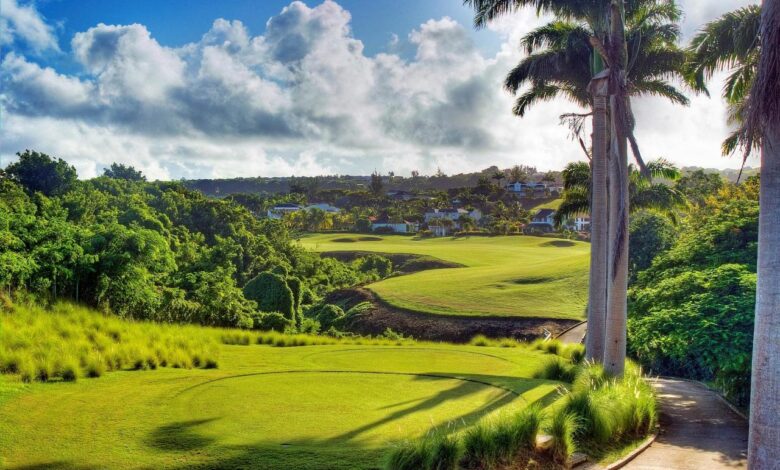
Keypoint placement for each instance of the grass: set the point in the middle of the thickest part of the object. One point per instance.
(554, 204)
(502, 276)
(68, 342)
(336, 405)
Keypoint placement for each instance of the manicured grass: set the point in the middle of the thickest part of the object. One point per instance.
(324, 406)
(503, 276)
(554, 204)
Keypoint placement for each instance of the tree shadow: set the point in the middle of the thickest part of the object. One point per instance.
(56, 465)
(180, 436)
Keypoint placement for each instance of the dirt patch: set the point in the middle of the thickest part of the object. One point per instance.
(403, 263)
(423, 326)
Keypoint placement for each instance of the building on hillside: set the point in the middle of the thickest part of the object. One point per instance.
(542, 221)
(529, 190)
(278, 211)
(323, 206)
(435, 219)
(383, 224)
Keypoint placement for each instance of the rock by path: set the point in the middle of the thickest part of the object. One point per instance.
(698, 431)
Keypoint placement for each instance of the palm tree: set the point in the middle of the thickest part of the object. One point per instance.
(498, 176)
(731, 43)
(565, 56)
(643, 194)
(762, 121)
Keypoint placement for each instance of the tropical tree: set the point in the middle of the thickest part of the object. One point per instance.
(564, 57)
(731, 43)
(497, 176)
(762, 122)
(644, 194)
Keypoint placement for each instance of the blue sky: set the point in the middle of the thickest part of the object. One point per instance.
(186, 88)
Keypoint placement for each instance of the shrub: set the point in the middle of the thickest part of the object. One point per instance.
(555, 368)
(296, 287)
(432, 452)
(329, 314)
(480, 340)
(500, 439)
(94, 367)
(273, 321)
(272, 294)
(444, 453)
(309, 326)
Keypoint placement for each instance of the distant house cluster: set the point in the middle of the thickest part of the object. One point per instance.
(533, 190)
(280, 210)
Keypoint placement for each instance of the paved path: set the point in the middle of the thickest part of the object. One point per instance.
(698, 431)
(575, 335)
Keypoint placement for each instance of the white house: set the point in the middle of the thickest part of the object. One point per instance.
(543, 221)
(582, 224)
(278, 211)
(539, 189)
(323, 206)
(432, 218)
(384, 224)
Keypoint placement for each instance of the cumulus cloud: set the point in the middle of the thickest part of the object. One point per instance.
(303, 97)
(25, 24)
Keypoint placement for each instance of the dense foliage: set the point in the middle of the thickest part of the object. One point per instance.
(691, 312)
(146, 250)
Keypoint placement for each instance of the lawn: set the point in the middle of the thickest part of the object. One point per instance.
(330, 406)
(501, 276)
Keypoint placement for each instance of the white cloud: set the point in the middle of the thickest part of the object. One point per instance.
(304, 98)
(24, 23)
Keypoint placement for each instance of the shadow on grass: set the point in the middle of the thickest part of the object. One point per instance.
(57, 465)
(345, 451)
(179, 436)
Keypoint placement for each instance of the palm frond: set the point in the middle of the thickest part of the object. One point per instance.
(659, 88)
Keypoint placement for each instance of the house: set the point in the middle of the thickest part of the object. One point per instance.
(278, 211)
(323, 206)
(383, 224)
(435, 217)
(534, 190)
(582, 224)
(543, 221)
(516, 187)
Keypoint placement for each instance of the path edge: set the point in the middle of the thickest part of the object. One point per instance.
(635, 453)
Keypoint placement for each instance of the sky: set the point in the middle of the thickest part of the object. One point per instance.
(202, 89)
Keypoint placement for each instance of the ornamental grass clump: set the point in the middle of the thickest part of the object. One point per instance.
(67, 342)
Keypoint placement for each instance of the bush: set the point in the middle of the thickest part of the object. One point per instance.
(273, 321)
(70, 370)
(272, 294)
(480, 340)
(309, 326)
(497, 440)
(329, 315)
(296, 287)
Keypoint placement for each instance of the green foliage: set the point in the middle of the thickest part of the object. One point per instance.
(329, 315)
(297, 287)
(376, 264)
(650, 234)
(125, 172)
(691, 312)
(271, 321)
(38, 172)
(272, 294)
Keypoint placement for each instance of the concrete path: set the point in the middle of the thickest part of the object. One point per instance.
(574, 335)
(698, 431)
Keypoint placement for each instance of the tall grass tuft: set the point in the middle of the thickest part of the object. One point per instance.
(562, 427)
(556, 368)
(408, 455)
(67, 342)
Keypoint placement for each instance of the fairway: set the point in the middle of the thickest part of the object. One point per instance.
(502, 276)
(333, 406)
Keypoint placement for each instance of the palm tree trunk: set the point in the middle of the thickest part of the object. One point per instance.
(764, 440)
(597, 296)
(617, 265)
(617, 284)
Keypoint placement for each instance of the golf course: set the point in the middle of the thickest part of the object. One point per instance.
(502, 276)
(328, 406)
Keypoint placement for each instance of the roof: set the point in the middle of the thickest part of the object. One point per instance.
(287, 205)
(544, 213)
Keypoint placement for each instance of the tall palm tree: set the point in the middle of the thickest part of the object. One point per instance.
(731, 43)
(762, 120)
(565, 55)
